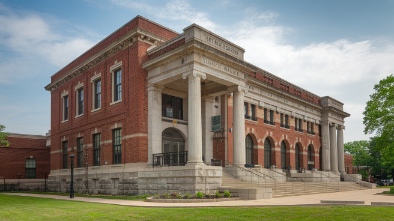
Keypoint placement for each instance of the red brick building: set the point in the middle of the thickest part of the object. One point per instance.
(26, 157)
(147, 97)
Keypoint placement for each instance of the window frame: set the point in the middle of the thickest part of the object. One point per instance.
(117, 145)
(30, 171)
(176, 106)
(65, 154)
(116, 86)
(80, 155)
(96, 149)
(65, 107)
(80, 107)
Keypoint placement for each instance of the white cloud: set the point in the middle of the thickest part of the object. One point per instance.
(174, 10)
(27, 38)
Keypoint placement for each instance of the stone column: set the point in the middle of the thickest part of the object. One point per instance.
(333, 148)
(194, 117)
(207, 113)
(154, 119)
(341, 151)
(325, 137)
(239, 127)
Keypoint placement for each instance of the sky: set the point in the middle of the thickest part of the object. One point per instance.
(337, 48)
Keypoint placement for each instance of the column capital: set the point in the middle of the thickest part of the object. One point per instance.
(154, 87)
(237, 88)
(331, 124)
(340, 127)
(194, 74)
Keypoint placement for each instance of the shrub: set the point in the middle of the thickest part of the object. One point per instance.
(188, 196)
(199, 195)
(217, 194)
(227, 194)
(391, 190)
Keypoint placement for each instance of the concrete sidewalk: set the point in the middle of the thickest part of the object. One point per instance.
(368, 196)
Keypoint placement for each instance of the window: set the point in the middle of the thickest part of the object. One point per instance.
(97, 94)
(298, 157)
(269, 116)
(249, 149)
(309, 128)
(96, 149)
(267, 153)
(311, 162)
(283, 155)
(172, 107)
(80, 152)
(253, 112)
(80, 98)
(117, 146)
(30, 168)
(298, 125)
(117, 85)
(284, 121)
(65, 154)
(246, 110)
(65, 107)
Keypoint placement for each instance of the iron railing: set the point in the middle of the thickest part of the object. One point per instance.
(170, 159)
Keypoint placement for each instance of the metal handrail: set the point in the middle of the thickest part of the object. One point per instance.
(169, 159)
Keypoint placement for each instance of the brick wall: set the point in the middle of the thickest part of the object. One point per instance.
(22, 147)
(130, 114)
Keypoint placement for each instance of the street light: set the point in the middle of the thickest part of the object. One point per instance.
(72, 177)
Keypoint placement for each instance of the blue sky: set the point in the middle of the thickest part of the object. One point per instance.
(339, 48)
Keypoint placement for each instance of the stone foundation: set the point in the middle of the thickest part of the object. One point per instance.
(139, 180)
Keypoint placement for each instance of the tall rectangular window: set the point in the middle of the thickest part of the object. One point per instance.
(282, 120)
(117, 87)
(80, 99)
(80, 152)
(265, 115)
(97, 94)
(65, 154)
(117, 146)
(271, 117)
(30, 168)
(96, 149)
(65, 107)
(287, 121)
(172, 107)
(246, 110)
(253, 111)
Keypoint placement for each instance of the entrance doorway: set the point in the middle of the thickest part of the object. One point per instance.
(173, 148)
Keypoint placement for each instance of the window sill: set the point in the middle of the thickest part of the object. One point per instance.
(64, 121)
(115, 102)
(97, 109)
(78, 116)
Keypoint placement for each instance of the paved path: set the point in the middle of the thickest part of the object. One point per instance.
(370, 195)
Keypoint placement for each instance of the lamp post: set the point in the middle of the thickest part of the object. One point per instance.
(72, 177)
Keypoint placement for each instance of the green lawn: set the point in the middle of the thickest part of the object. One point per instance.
(31, 208)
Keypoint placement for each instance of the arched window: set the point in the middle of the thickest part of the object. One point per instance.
(30, 168)
(267, 153)
(298, 157)
(249, 149)
(283, 155)
(173, 148)
(311, 162)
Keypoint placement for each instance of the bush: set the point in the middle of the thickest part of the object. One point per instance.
(218, 194)
(200, 195)
(227, 194)
(391, 190)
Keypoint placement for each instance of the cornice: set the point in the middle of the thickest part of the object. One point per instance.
(131, 37)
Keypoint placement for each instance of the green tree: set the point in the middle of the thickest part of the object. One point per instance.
(379, 118)
(360, 151)
(3, 136)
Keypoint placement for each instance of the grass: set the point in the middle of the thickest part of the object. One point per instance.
(31, 208)
(118, 197)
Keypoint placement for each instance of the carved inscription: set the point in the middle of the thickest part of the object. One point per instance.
(221, 67)
(218, 43)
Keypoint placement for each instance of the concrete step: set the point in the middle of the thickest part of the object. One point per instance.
(281, 189)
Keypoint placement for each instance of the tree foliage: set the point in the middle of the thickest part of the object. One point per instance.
(360, 151)
(379, 118)
(3, 136)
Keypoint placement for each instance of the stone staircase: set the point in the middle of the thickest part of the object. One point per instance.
(282, 189)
